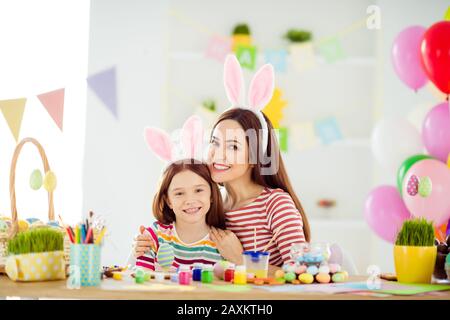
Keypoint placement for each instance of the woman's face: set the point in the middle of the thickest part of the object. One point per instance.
(228, 152)
(189, 196)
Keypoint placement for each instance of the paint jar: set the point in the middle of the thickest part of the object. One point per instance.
(240, 275)
(174, 277)
(184, 275)
(228, 274)
(257, 262)
(197, 271)
(208, 274)
(159, 276)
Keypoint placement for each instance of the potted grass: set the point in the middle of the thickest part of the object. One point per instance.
(36, 255)
(241, 36)
(298, 39)
(415, 252)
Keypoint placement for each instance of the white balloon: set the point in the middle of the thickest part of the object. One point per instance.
(394, 140)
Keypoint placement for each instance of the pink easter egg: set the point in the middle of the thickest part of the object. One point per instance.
(300, 269)
(413, 186)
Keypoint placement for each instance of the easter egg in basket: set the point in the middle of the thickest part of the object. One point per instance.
(36, 179)
(50, 181)
(3, 226)
(23, 225)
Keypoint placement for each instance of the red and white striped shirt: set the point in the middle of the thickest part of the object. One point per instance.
(271, 212)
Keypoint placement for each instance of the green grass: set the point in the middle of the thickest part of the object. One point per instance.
(241, 28)
(295, 35)
(417, 233)
(36, 240)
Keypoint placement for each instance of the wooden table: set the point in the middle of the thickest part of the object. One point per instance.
(113, 289)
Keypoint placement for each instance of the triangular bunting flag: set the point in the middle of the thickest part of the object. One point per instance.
(13, 112)
(53, 101)
(104, 85)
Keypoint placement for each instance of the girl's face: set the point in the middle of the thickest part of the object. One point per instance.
(228, 152)
(189, 196)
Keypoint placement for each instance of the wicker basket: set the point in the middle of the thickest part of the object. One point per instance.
(14, 228)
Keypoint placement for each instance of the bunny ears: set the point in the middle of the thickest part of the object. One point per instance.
(259, 95)
(191, 140)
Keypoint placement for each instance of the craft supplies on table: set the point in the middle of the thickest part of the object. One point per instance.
(197, 271)
(86, 257)
(207, 274)
(257, 263)
(240, 275)
(184, 275)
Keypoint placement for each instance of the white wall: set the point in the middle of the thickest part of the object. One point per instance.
(37, 57)
(120, 174)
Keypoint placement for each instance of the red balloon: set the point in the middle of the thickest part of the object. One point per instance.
(435, 53)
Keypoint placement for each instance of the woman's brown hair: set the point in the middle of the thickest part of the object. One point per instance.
(249, 121)
(161, 210)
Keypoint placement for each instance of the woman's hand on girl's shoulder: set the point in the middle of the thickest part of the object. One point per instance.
(228, 245)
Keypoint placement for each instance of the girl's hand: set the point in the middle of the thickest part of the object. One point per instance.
(143, 243)
(228, 245)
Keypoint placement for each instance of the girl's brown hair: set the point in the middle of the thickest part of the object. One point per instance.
(249, 121)
(161, 210)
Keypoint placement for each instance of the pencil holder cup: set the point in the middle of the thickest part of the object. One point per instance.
(86, 258)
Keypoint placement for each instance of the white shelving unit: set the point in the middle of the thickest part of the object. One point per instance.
(341, 170)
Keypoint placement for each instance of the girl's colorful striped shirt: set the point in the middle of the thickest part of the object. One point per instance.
(202, 251)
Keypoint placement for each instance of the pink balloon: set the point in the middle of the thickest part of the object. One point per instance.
(436, 206)
(406, 57)
(436, 131)
(385, 212)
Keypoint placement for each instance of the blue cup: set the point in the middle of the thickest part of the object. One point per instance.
(86, 258)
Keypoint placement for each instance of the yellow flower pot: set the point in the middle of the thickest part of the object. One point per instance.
(414, 264)
(36, 266)
(241, 40)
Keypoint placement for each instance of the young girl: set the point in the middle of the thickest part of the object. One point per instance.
(260, 203)
(185, 206)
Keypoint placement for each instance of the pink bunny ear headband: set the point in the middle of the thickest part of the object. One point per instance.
(259, 95)
(191, 140)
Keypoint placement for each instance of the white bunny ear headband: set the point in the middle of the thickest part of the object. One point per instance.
(191, 140)
(260, 93)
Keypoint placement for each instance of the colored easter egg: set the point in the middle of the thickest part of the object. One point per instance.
(219, 268)
(324, 269)
(280, 280)
(413, 185)
(323, 277)
(425, 187)
(279, 274)
(23, 225)
(345, 273)
(289, 276)
(165, 255)
(36, 179)
(36, 224)
(306, 278)
(334, 267)
(32, 220)
(338, 277)
(313, 270)
(50, 181)
(53, 223)
(301, 269)
(290, 267)
(3, 226)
